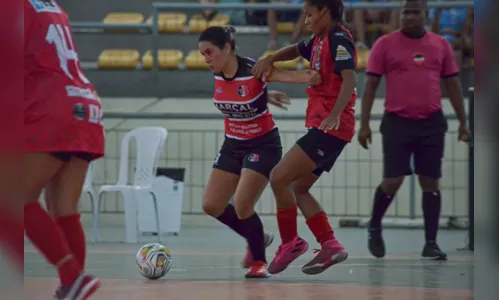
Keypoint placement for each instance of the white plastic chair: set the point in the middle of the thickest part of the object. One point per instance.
(150, 142)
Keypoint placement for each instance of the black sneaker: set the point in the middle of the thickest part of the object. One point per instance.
(433, 252)
(375, 243)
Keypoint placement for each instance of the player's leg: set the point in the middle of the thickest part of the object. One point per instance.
(64, 193)
(221, 187)
(332, 251)
(303, 158)
(257, 166)
(43, 231)
(428, 157)
(397, 151)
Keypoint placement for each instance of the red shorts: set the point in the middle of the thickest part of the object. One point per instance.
(65, 125)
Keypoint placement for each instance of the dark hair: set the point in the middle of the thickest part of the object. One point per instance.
(219, 36)
(335, 7)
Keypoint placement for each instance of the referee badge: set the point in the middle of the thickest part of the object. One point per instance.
(418, 59)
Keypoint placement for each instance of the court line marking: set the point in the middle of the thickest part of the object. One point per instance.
(220, 253)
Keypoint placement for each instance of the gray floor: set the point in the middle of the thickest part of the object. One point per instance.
(202, 255)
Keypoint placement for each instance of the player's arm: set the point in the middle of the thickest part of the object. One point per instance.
(343, 55)
(450, 76)
(264, 65)
(375, 71)
(305, 77)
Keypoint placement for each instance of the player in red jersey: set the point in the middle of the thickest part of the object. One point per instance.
(252, 145)
(64, 133)
(331, 121)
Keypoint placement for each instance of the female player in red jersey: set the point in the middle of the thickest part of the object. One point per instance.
(331, 121)
(252, 145)
(63, 133)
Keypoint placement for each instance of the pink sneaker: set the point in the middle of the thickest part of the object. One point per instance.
(332, 253)
(287, 253)
(84, 287)
(248, 257)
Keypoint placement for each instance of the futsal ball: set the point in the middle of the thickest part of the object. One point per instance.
(153, 261)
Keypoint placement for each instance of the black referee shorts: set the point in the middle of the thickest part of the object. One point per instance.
(402, 138)
(260, 154)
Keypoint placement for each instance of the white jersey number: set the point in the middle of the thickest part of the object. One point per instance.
(60, 36)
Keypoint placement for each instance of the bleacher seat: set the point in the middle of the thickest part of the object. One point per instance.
(306, 64)
(198, 23)
(385, 28)
(472, 63)
(285, 27)
(123, 18)
(195, 61)
(167, 59)
(119, 59)
(170, 22)
(286, 65)
(362, 58)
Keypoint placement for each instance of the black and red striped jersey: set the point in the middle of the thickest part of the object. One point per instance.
(243, 100)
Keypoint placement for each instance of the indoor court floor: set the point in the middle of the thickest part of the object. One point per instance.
(206, 264)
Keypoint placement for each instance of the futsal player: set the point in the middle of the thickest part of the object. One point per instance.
(331, 121)
(63, 133)
(414, 62)
(252, 145)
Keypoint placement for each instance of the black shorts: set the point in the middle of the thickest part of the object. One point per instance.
(66, 156)
(324, 149)
(260, 154)
(402, 138)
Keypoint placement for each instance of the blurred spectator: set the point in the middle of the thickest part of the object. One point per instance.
(273, 17)
(370, 24)
(209, 14)
(237, 16)
(256, 17)
(456, 25)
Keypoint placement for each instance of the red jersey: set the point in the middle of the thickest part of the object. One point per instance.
(62, 110)
(244, 102)
(329, 55)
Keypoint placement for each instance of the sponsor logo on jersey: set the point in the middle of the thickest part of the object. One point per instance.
(45, 6)
(79, 111)
(243, 90)
(342, 53)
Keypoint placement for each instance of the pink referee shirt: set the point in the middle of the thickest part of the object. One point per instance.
(413, 68)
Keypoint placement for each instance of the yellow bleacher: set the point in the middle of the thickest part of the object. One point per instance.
(170, 22)
(198, 23)
(362, 59)
(285, 27)
(167, 59)
(113, 59)
(378, 27)
(123, 18)
(195, 61)
(286, 65)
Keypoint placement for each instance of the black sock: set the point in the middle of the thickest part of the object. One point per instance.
(229, 218)
(381, 203)
(432, 204)
(253, 228)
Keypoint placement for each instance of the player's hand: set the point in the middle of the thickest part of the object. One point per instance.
(315, 77)
(364, 137)
(279, 99)
(263, 67)
(332, 122)
(464, 133)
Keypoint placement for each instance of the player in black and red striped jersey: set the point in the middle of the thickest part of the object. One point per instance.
(252, 145)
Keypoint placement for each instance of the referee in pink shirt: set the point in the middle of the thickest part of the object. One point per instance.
(414, 62)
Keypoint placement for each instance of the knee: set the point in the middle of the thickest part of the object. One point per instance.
(390, 186)
(428, 184)
(212, 208)
(278, 178)
(244, 209)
